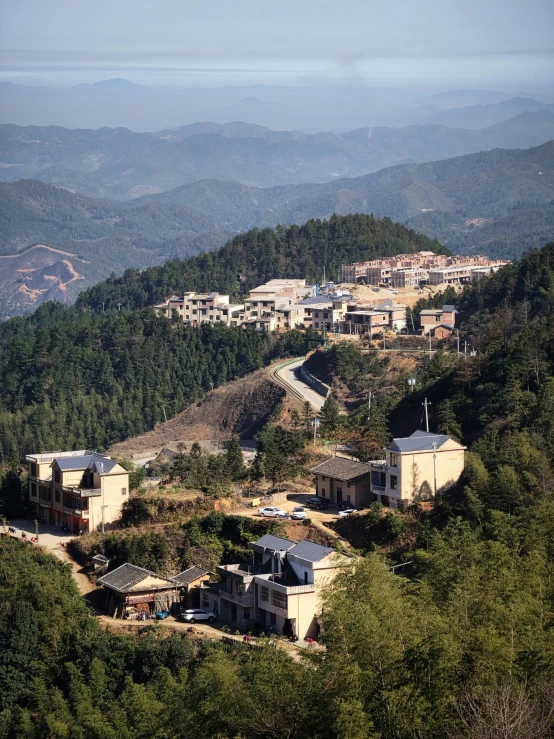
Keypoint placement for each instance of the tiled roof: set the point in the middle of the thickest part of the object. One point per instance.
(310, 551)
(419, 441)
(190, 575)
(126, 576)
(268, 541)
(342, 469)
(86, 462)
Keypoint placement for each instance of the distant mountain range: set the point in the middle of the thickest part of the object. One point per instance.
(499, 202)
(120, 103)
(118, 163)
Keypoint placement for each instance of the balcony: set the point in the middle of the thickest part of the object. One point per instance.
(241, 599)
(78, 512)
(378, 489)
(83, 492)
(286, 587)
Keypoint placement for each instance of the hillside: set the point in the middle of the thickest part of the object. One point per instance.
(263, 254)
(119, 163)
(479, 116)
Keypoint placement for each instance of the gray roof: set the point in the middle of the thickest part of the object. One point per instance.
(86, 462)
(448, 308)
(310, 551)
(268, 541)
(126, 576)
(419, 441)
(190, 575)
(342, 469)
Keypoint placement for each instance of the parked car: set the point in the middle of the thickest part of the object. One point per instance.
(192, 615)
(271, 512)
(346, 512)
(317, 503)
(298, 513)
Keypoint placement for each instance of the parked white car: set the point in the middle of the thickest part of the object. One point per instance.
(192, 615)
(298, 513)
(272, 512)
(346, 512)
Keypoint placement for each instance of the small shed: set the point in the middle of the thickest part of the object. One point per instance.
(100, 564)
(189, 582)
(130, 591)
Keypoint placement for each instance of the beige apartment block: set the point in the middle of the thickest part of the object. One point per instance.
(81, 490)
(278, 589)
(417, 467)
(340, 480)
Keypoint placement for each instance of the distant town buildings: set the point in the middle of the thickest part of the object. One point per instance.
(78, 490)
(413, 270)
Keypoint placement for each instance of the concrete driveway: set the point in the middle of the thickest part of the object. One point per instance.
(48, 536)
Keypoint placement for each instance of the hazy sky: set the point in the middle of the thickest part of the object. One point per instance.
(483, 42)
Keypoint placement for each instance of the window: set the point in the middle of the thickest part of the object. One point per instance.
(394, 482)
(264, 593)
(278, 599)
(57, 496)
(325, 315)
(123, 491)
(272, 619)
(33, 490)
(305, 578)
(33, 469)
(317, 324)
(394, 459)
(339, 491)
(56, 475)
(206, 600)
(322, 477)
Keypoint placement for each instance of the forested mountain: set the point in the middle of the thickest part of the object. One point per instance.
(118, 163)
(77, 378)
(263, 254)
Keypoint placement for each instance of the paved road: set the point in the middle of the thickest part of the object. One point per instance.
(288, 376)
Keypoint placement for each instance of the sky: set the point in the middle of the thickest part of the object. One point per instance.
(505, 43)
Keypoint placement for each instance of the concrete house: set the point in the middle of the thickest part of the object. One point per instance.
(280, 587)
(416, 467)
(188, 585)
(343, 480)
(80, 489)
(432, 318)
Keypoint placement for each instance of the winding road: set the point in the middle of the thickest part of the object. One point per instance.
(286, 373)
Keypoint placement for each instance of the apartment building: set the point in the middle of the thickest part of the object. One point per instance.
(408, 277)
(81, 490)
(342, 480)
(458, 274)
(417, 467)
(195, 309)
(280, 587)
(433, 318)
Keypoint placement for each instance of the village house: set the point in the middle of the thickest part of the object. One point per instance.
(196, 309)
(431, 318)
(80, 490)
(188, 585)
(417, 467)
(342, 480)
(130, 592)
(279, 588)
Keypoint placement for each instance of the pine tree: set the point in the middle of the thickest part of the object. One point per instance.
(329, 415)
(234, 459)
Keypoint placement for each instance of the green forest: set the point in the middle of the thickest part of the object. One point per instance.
(72, 379)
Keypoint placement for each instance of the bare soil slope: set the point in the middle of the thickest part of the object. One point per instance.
(239, 408)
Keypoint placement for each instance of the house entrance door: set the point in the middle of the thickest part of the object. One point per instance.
(339, 496)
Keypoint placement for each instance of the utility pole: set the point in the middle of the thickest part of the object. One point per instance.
(430, 347)
(369, 407)
(426, 403)
(465, 351)
(434, 468)
(315, 429)
(458, 341)
(119, 306)
(103, 303)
